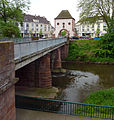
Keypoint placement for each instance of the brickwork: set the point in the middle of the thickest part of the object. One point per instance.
(7, 76)
(64, 51)
(45, 80)
(7, 105)
(57, 59)
(26, 75)
(36, 74)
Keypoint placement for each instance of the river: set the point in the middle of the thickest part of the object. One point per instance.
(82, 79)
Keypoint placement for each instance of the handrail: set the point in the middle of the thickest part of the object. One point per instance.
(23, 49)
(65, 107)
(65, 101)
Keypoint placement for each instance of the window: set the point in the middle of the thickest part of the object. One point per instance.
(57, 23)
(22, 28)
(27, 25)
(45, 27)
(99, 26)
(48, 28)
(36, 25)
(83, 26)
(37, 29)
(93, 26)
(88, 29)
(104, 27)
(63, 25)
(69, 23)
(93, 29)
(83, 29)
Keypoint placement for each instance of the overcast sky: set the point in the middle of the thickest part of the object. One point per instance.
(51, 8)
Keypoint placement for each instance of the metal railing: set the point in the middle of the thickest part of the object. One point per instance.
(23, 49)
(65, 107)
(16, 40)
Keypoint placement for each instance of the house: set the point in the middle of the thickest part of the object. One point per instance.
(93, 30)
(65, 23)
(35, 26)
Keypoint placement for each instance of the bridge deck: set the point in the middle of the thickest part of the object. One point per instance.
(23, 114)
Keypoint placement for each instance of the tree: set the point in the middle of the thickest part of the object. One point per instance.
(97, 32)
(12, 13)
(63, 33)
(93, 10)
(13, 9)
(9, 29)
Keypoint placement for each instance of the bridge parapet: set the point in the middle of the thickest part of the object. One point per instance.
(27, 52)
(26, 48)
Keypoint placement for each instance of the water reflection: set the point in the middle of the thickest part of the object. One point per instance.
(81, 80)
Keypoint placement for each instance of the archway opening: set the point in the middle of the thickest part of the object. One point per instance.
(63, 33)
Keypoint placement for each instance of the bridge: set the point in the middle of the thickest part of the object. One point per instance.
(30, 61)
(27, 52)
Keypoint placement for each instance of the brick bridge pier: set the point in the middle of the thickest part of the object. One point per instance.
(36, 74)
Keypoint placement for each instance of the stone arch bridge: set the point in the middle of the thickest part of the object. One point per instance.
(32, 63)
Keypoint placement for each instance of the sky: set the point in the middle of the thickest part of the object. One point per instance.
(51, 8)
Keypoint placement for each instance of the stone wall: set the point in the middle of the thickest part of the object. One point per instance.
(7, 76)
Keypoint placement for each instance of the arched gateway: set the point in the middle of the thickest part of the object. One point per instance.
(64, 24)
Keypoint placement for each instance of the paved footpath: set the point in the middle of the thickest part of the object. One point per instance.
(23, 114)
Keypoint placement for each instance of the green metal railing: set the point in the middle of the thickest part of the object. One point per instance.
(65, 107)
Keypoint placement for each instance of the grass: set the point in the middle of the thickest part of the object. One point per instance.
(87, 50)
(101, 97)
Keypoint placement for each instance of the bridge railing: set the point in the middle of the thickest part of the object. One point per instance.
(65, 107)
(26, 48)
(16, 40)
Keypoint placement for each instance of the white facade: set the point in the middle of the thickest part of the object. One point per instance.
(64, 24)
(91, 29)
(35, 28)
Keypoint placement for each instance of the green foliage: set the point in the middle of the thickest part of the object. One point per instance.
(107, 41)
(101, 97)
(89, 50)
(63, 33)
(97, 32)
(93, 10)
(11, 13)
(73, 51)
(9, 29)
(13, 9)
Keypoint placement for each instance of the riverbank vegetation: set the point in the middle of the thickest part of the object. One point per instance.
(101, 50)
(101, 97)
(89, 50)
